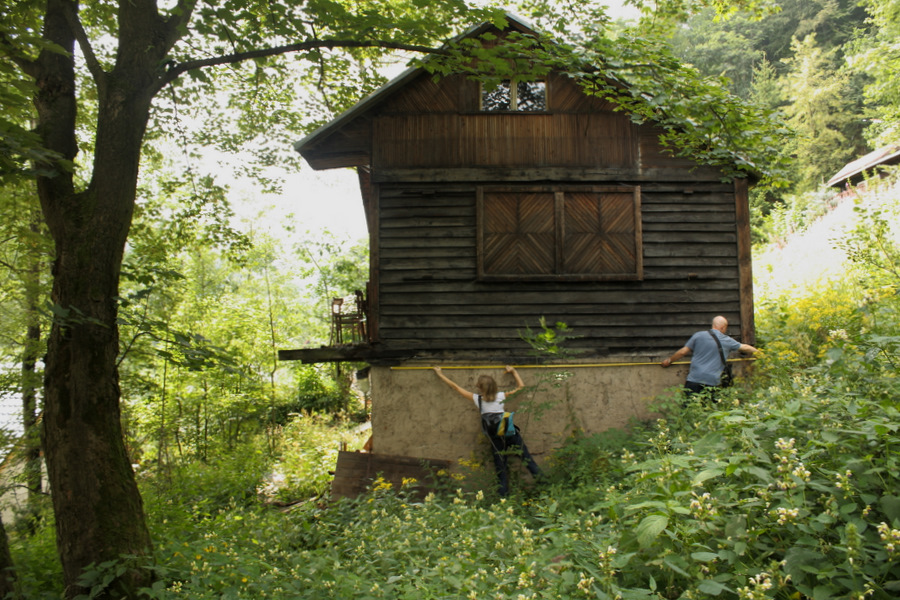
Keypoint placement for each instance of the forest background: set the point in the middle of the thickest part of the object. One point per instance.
(220, 432)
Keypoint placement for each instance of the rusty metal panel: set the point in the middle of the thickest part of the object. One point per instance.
(355, 472)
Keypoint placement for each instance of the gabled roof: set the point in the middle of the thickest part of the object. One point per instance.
(855, 170)
(385, 91)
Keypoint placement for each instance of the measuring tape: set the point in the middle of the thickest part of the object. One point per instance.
(573, 366)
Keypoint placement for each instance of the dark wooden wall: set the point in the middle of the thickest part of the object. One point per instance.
(430, 300)
(423, 150)
(433, 124)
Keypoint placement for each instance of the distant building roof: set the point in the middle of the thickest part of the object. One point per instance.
(854, 171)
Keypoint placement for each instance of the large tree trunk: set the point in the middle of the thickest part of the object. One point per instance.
(8, 588)
(98, 509)
(30, 385)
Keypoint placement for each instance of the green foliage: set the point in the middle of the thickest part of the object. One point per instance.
(188, 491)
(202, 315)
(796, 330)
(787, 488)
(550, 341)
(877, 56)
(308, 448)
(317, 391)
(872, 245)
(332, 267)
(636, 70)
(819, 113)
(792, 63)
(38, 570)
(793, 214)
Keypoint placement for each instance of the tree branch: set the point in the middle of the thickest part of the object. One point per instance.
(90, 58)
(178, 19)
(175, 70)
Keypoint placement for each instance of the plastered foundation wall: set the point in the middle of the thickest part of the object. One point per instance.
(415, 414)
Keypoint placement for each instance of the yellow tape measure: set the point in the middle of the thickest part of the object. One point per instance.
(572, 366)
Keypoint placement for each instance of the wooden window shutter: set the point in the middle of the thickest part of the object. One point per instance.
(518, 236)
(599, 234)
(559, 233)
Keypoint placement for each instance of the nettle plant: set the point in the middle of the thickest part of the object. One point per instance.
(787, 491)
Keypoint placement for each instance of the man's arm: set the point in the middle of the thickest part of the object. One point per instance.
(675, 357)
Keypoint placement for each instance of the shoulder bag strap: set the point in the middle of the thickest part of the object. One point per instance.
(719, 344)
(481, 417)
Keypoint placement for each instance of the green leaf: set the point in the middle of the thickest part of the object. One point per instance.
(706, 475)
(799, 561)
(650, 528)
(713, 588)
(890, 505)
(824, 592)
(643, 505)
(704, 556)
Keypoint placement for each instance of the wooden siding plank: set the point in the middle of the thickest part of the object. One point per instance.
(436, 233)
(685, 272)
(523, 287)
(500, 174)
(689, 227)
(586, 312)
(667, 236)
(685, 250)
(424, 95)
(599, 301)
(659, 345)
(476, 332)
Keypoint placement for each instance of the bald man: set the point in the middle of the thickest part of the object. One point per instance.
(706, 360)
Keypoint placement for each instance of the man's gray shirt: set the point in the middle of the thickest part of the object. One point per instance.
(706, 364)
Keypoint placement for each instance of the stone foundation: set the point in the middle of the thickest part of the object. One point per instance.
(416, 414)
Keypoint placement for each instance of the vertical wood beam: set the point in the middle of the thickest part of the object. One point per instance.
(479, 230)
(745, 260)
(638, 235)
(559, 214)
(373, 291)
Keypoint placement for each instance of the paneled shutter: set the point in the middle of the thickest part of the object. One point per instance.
(559, 232)
(518, 233)
(599, 234)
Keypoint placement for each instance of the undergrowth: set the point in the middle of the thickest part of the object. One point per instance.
(786, 488)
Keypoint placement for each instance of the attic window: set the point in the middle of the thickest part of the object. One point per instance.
(590, 233)
(524, 96)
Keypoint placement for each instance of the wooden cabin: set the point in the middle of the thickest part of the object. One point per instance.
(489, 210)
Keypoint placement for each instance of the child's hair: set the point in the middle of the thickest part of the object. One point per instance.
(488, 388)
